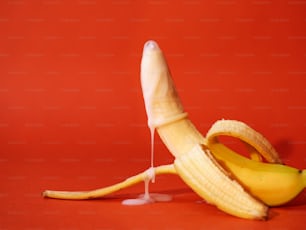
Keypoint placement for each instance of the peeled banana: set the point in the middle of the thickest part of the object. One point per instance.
(194, 164)
(235, 184)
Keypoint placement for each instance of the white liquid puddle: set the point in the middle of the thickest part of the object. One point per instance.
(154, 197)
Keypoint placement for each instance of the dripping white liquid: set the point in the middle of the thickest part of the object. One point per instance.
(152, 133)
(148, 197)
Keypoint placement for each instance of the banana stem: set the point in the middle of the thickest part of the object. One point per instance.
(83, 195)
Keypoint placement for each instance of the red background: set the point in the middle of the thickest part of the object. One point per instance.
(72, 115)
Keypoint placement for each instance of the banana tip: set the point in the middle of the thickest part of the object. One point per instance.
(150, 45)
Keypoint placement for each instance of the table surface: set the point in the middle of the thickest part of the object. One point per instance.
(72, 114)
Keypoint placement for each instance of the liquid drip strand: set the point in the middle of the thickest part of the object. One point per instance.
(152, 132)
(148, 198)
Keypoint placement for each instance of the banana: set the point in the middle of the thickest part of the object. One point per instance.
(194, 163)
(274, 184)
(235, 184)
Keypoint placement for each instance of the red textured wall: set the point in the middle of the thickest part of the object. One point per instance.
(72, 114)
